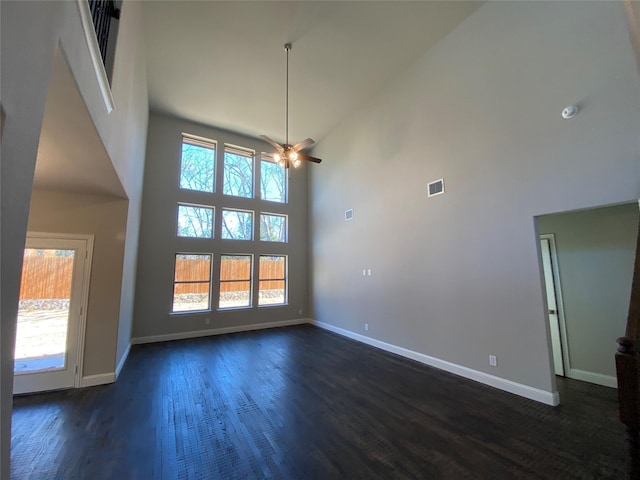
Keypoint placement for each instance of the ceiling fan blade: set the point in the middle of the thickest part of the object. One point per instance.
(303, 144)
(271, 142)
(308, 158)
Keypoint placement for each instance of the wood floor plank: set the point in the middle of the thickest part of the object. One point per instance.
(303, 403)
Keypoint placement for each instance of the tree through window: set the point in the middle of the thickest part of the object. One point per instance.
(197, 165)
(238, 172)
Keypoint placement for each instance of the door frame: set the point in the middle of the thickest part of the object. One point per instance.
(557, 288)
(84, 297)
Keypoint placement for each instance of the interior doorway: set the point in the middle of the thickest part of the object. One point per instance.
(52, 312)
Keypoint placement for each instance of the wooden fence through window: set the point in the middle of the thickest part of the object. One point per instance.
(46, 277)
(198, 270)
(49, 277)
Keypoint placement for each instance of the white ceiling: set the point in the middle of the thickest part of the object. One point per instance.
(223, 63)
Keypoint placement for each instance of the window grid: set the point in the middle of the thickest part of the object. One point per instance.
(199, 164)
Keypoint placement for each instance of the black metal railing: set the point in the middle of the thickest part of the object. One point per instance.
(102, 11)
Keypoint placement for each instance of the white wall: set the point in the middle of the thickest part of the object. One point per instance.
(159, 243)
(456, 277)
(30, 34)
(596, 251)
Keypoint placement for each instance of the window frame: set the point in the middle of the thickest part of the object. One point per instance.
(286, 227)
(204, 143)
(244, 210)
(243, 152)
(264, 158)
(196, 205)
(249, 281)
(174, 283)
(285, 280)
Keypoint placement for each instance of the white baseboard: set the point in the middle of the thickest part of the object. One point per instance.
(597, 378)
(542, 396)
(123, 360)
(101, 379)
(217, 331)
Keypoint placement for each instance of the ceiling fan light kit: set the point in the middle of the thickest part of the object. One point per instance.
(287, 155)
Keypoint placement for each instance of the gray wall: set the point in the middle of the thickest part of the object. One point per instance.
(596, 251)
(105, 218)
(457, 276)
(159, 243)
(31, 32)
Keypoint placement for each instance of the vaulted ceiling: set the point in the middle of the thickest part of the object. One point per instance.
(223, 63)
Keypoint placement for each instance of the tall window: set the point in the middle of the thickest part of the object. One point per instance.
(238, 172)
(273, 182)
(195, 221)
(272, 288)
(191, 282)
(273, 228)
(237, 224)
(235, 281)
(197, 165)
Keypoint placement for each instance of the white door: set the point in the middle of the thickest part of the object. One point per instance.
(50, 333)
(547, 248)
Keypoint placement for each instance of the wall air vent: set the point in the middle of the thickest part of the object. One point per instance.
(348, 214)
(435, 188)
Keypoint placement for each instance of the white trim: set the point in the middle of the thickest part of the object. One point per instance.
(94, 53)
(123, 360)
(548, 398)
(100, 379)
(217, 331)
(597, 378)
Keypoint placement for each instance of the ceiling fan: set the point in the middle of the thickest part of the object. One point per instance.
(288, 154)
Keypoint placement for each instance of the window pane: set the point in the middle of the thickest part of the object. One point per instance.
(197, 167)
(237, 225)
(273, 228)
(235, 294)
(273, 182)
(272, 267)
(195, 222)
(272, 292)
(235, 267)
(235, 281)
(272, 288)
(191, 296)
(192, 268)
(238, 175)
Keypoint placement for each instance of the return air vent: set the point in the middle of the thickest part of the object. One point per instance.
(435, 188)
(348, 214)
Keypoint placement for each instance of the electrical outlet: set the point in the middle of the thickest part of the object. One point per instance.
(369, 272)
(366, 326)
(364, 272)
(207, 321)
(493, 361)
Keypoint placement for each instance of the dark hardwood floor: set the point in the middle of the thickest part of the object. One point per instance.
(300, 402)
